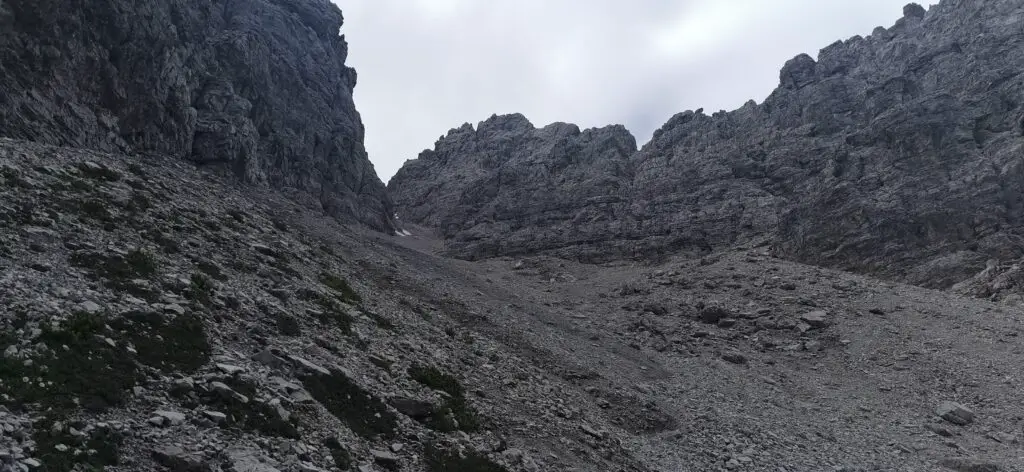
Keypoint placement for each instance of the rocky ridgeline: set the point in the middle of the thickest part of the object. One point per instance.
(895, 154)
(257, 88)
(529, 184)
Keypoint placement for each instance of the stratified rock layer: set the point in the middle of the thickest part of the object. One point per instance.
(259, 88)
(897, 154)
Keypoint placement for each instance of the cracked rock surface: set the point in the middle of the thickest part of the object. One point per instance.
(258, 89)
(895, 154)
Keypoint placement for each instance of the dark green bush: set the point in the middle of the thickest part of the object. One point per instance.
(433, 377)
(364, 413)
(346, 293)
(440, 460)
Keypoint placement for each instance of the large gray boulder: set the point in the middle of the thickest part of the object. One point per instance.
(896, 154)
(257, 88)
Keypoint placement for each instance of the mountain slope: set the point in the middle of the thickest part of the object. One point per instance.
(895, 154)
(257, 88)
(168, 320)
(156, 315)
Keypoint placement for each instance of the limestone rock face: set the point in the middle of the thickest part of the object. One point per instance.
(507, 187)
(896, 154)
(258, 88)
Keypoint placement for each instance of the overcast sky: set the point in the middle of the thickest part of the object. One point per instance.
(426, 66)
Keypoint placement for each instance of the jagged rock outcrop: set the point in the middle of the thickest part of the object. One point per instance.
(258, 88)
(509, 177)
(896, 154)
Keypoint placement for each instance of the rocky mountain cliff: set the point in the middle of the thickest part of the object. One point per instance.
(896, 154)
(258, 88)
(509, 176)
(157, 316)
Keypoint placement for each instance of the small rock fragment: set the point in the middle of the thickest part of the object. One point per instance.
(230, 369)
(815, 319)
(307, 365)
(171, 417)
(591, 431)
(955, 413)
(415, 409)
(734, 357)
(215, 416)
(227, 392)
(384, 458)
(176, 459)
(268, 358)
(89, 307)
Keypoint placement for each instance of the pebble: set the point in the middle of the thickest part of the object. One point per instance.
(815, 319)
(171, 417)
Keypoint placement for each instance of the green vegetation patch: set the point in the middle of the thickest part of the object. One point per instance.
(114, 269)
(168, 244)
(331, 314)
(456, 414)
(211, 269)
(92, 208)
(340, 453)
(139, 203)
(433, 377)
(364, 413)
(79, 368)
(237, 215)
(288, 325)
(179, 344)
(92, 452)
(98, 172)
(256, 416)
(137, 169)
(345, 292)
(381, 321)
(441, 460)
(200, 289)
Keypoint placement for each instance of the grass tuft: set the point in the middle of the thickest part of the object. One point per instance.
(365, 414)
(346, 293)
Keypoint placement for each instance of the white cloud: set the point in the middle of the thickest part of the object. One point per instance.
(429, 65)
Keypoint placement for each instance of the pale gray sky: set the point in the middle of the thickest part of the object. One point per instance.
(426, 66)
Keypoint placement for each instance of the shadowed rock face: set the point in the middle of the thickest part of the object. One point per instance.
(896, 154)
(257, 87)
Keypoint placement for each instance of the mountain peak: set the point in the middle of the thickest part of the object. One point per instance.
(829, 168)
